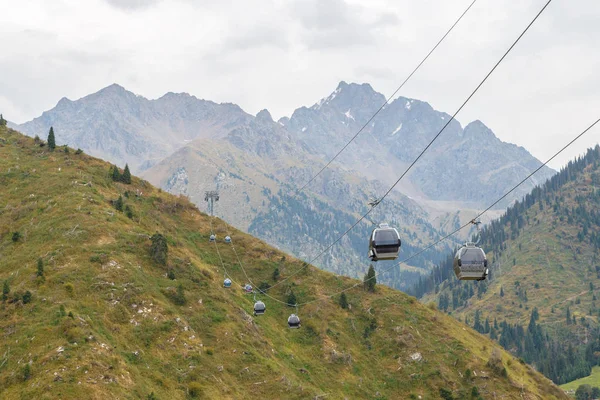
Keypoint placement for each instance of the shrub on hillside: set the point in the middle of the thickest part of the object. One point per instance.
(195, 390)
(159, 249)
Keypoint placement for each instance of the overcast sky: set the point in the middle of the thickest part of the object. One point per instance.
(281, 55)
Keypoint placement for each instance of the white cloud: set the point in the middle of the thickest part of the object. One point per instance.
(281, 55)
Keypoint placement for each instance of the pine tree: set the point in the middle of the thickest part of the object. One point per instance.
(159, 249)
(343, 301)
(180, 296)
(119, 203)
(26, 372)
(2, 121)
(40, 268)
(51, 139)
(126, 177)
(5, 291)
(115, 174)
(370, 279)
(568, 316)
(501, 292)
(276, 274)
(291, 299)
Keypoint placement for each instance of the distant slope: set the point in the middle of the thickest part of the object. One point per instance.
(545, 253)
(105, 320)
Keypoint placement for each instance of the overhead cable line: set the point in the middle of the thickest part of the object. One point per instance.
(219, 254)
(463, 226)
(388, 99)
(425, 149)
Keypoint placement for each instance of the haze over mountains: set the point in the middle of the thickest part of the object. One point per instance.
(187, 145)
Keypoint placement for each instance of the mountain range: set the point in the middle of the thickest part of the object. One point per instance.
(187, 145)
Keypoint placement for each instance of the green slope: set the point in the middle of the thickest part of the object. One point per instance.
(544, 254)
(105, 321)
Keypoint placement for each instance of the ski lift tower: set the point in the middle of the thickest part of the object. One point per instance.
(211, 196)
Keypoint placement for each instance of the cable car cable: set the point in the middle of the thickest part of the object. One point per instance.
(219, 254)
(465, 225)
(388, 99)
(426, 148)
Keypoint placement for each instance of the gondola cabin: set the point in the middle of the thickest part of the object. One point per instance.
(227, 239)
(470, 263)
(248, 288)
(294, 321)
(259, 308)
(227, 283)
(212, 238)
(384, 243)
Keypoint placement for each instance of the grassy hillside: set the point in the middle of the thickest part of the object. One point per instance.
(545, 264)
(105, 320)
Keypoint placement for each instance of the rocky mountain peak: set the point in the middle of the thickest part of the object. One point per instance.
(264, 116)
(477, 130)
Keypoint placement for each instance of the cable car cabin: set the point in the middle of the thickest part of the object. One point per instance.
(470, 263)
(248, 288)
(227, 283)
(294, 321)
(212, 238)
(384, 243)
(227, 239)
(259, 308)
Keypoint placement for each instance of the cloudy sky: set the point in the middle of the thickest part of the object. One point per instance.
(280, 55)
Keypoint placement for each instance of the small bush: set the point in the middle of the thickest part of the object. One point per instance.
(78, 151)
(27, 297)
(26, 372)
(16, 236)
(159, 249)
(171, 274)
(209, 351)
(5, 291)
(495, 362)
(446, 394)
(69, 288)
(194, 389)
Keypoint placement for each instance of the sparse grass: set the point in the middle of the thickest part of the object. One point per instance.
(127, 338)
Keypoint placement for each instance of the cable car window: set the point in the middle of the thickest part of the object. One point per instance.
(386, 237)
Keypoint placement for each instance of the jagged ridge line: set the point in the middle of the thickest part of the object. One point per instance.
(387, 101)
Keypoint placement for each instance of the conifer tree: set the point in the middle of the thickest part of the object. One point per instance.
(276, 274)
(116, 175)
(40, 268)
(126, 177)
(2, 121)
(343, 301)
(370, 279)
(180, 297)
(119, 203)
(159, 249)
(5, 291)
(291, 300)
(51, 139)
(501, 292)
